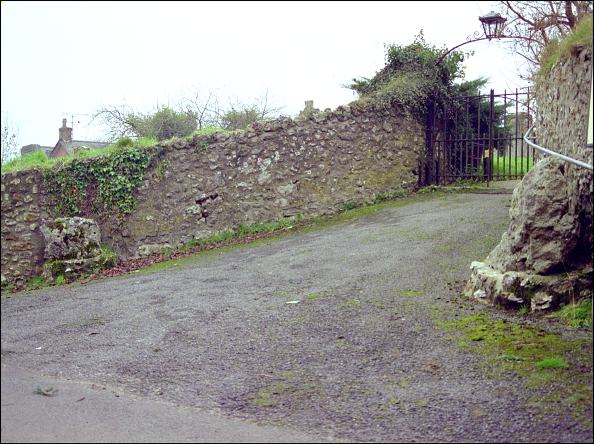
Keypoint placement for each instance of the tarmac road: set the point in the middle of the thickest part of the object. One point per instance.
(318, 336)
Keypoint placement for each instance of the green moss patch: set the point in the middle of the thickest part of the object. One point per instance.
(291, 389)
(554, 362)
(503, 338)
(411, 293)
(558, 370)
(269, 396)
(312, 297)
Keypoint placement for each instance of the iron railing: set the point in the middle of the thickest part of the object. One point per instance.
(555, 154)
(471, 140)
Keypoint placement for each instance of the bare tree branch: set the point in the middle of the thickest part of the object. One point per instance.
(119, 121)
(207, 110)
(10, 142)
(539, 22)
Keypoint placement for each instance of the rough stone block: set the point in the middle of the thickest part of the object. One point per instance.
(71, 238)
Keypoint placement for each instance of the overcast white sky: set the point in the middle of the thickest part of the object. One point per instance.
(64, 58)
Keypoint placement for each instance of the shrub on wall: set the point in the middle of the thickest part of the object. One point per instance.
(412, 77)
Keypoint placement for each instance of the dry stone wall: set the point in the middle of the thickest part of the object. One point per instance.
(563, 99)
(206, 184)
(545, 256)
(26, 206)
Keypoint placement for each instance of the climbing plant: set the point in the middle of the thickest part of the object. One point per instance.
(412, 78)
(114, 177)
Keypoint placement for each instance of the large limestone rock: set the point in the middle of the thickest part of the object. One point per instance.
(72, 247)
(543, 231)
(540, 261)
(545, 257)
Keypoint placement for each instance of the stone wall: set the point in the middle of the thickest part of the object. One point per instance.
(26, 206)
(563, 100)
(545, 256)
(202, 185)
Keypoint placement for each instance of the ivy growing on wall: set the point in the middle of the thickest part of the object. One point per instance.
(113, 179)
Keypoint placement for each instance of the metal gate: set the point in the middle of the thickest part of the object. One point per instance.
(479, 138)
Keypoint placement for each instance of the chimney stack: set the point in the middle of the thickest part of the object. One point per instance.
(65, 132)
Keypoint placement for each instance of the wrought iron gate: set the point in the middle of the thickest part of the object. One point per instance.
(479, 138)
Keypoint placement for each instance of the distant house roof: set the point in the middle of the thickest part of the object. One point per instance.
(65, 146)
(28, 149)
(74, 145)
(88, 144)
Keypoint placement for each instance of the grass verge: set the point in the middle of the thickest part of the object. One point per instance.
(514, 165)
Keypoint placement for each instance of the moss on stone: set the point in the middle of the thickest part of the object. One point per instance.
(55, 268)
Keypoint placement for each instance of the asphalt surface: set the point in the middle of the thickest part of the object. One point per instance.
(319, 336)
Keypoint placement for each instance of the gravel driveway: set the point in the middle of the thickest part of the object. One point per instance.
(326, 335)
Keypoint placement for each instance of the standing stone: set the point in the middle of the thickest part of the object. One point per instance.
(543, 232)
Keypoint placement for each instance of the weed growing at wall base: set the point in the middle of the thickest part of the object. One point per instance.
(576, 314)
(244, 231)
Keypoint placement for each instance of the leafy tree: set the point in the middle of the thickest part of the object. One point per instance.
(164, 124)
(467, 118)
(242, 115)
(194, 112)
(240, 118)
(477, 111)
(417, 79)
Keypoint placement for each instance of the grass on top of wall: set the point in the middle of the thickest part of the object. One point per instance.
(38, 159)
(557, 50)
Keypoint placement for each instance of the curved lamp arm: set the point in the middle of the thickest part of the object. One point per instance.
(482, 38)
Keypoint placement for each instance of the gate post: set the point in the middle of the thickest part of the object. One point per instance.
(491, 118)
(429, 145)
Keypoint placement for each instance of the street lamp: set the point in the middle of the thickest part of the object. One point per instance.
(492, 24)
(493, 29)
